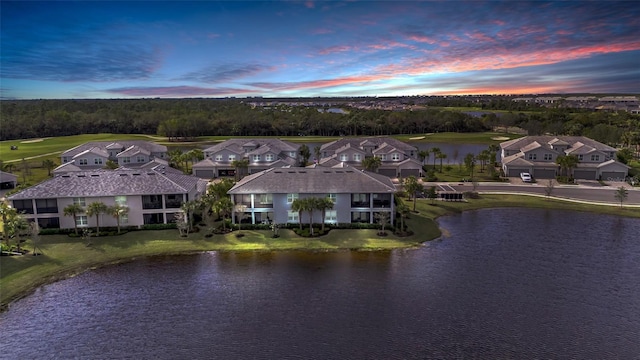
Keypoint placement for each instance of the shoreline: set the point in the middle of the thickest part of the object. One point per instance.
(63, 256)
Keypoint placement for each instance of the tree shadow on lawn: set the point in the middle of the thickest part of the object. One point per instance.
(13, 264)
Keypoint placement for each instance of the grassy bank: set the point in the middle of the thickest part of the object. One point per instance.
(64, 256)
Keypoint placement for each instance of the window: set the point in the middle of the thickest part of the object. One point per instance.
(382, 157)
(65, 159)
(580, 157)
(219, 157)
(126, 160)
(331, 216)
(292, 154)
(152, 201)
(256, 158)
(291, 198)
(79, 201)
(395, 157)
(533, 156)
(548, 157)
(97, 161)
(23, 206)
(360, 200)
(231, 158)
(121, 200)
(344, 157)
(124, 219)
(172, 201)
(140, 159)
(268, 157)
(595, 157)
(265, 199)
(357, 157)
(360, 217)
(332, 197)
(81, 220)
(47, 206)
(292, 216)
(83, 162)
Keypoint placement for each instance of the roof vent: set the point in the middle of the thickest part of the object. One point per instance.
(81, 175)
(95, 175)
(123, 174)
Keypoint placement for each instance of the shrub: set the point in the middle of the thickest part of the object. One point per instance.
(159, 226)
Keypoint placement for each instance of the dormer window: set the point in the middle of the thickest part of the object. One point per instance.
(268, 157)
(548, 157)
(382, 157)
(357, 157)
(256, 158)
(395, 157)
(83, 162)
(231, 158)
(219, 157)
(595, 157)
(292, 154)
(97, 161)
(533, 157)
(344, 157)
(140, 159)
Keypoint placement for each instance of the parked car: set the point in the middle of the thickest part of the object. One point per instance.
(526, 177)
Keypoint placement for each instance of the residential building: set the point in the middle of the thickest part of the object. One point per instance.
(8, 180)
(152, 196)
(398, 159)
(357, 195)
(95, 154)
(537, 155)
(261, 154)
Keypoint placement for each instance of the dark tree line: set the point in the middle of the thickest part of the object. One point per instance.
(189, 118)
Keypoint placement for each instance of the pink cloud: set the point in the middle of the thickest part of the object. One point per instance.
(335, 49)
(310, 4)
(177, 91)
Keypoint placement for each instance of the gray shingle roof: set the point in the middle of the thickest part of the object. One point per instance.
(149, 146)
(109, 183)
(518, 144)
(235, 145)
(377, 141)
(313, 181)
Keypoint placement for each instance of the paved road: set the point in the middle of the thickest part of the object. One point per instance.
(595, 194)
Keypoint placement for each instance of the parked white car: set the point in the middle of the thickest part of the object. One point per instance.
(526, 177)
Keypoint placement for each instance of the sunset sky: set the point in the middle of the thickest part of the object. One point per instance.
(316, 48)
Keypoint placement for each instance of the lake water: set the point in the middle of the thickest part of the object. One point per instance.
(505, 283)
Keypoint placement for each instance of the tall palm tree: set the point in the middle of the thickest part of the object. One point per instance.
(441, 156)
(96, 209)
(324, 204)
(194, 155)
(372, 163)
(118, 211)
(73, 210)
(310, 206)
(412, 186)
(299, 205)
(403, 210)
(239, 166)
(422, 155)
(567, 162)
(49, 165)
(435, 151)
(223, 207)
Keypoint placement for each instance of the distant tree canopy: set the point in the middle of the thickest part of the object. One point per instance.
(184, 119)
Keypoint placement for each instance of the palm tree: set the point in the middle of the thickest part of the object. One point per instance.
(412, 186)
(194, 155)
(189, 207)
(223, 207)
(240, 209)
(323, 205)
(422, 155)
(470, 163)
(567, 162)
(96, 209)
(305, 154)
(73, 210)
(298, 205)
(441, 156)
(240, 166)
(310, 206)
(403, 210)
(372, 163)
(435, 151)
(317, 153)
(483, 157)
(118, 211)
(49, 165)
(175, 157)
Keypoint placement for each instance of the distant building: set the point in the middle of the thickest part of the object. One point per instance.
(261, 154)
(398, 159)
(537, 155)
(8, 180)
(94, 155)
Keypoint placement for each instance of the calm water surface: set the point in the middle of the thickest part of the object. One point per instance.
(505, 284)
